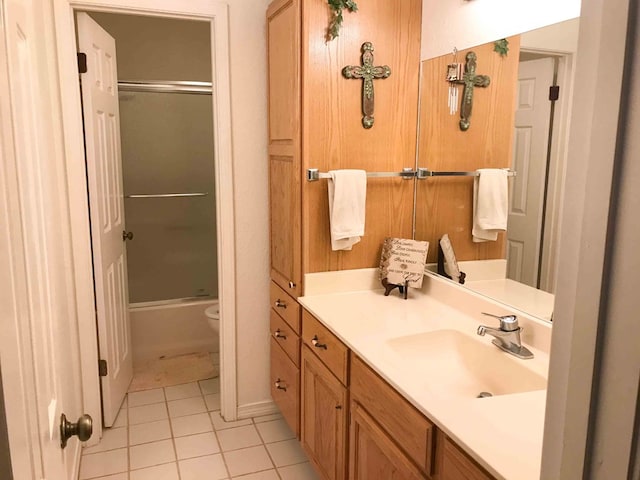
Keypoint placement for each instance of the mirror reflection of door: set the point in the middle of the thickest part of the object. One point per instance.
(530, 157)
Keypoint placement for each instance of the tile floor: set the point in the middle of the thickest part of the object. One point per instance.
(177, 433)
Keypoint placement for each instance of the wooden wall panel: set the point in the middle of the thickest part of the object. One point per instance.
(444, 204)
(333, 136)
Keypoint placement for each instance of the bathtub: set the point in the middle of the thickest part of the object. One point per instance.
(172, 328)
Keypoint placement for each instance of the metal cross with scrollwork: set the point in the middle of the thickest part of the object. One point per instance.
(367, 72)
(470, 80)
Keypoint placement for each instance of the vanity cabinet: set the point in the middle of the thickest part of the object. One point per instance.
(453, 464)
(324, 399)
(285, 355)
(373, 454)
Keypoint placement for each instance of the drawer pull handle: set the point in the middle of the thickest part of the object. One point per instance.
(279, 386)
(292, 285)
(281, 304)
(317, 344)
(278, 334)
(338, 407)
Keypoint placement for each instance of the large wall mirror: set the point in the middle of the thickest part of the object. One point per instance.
(514, 125)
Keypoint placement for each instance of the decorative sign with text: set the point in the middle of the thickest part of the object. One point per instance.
(403, 260)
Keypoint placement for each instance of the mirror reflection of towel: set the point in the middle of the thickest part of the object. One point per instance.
(347, 205)
(490, 204)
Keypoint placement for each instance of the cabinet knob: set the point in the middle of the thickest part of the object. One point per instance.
(338, 407)
(292, 285)
(278, 334)
(280, 304)
(280, 386)
(317, 344)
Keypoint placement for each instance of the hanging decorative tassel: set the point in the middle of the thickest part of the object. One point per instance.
(454, 73)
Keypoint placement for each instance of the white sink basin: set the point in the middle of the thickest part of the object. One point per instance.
(453, 363)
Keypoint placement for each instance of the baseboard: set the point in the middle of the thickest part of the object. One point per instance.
(257, 409)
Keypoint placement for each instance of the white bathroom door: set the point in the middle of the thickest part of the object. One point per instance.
(531, 138)
(104, 171)
(39, 347)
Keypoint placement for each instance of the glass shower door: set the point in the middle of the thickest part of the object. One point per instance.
(168, 173)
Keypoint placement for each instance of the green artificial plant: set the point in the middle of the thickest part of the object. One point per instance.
(336, 15)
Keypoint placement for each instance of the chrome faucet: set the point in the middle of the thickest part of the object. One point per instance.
(507, 337)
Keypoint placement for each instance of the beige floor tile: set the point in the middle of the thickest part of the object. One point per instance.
(209, 386)
(301, 471)
(112, 438)
(150, 454)
(117, 476)
(168, 471)
(147, 413)
(247, 460)
(146, 397)
(286, 453)
(149, 432)
(239, 437)
(186, 406)
(196, 445)
(266, 475)
(210, 468)
(178, 392)
(267, 418)
(191, 424)
(122, 419)
(220, 424)
(213, 401)
(103, 463)
(275, 431)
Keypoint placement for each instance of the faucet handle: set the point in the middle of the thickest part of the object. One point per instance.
(508, 323)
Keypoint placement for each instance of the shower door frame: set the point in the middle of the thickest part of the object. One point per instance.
(216, 13)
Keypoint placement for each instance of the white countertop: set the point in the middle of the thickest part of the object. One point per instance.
(503, 433)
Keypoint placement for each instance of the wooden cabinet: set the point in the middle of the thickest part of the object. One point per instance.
(394, 414)
(285, 356)
(315, 121)
(283, 45)
(324, 410)
(372, 453)
(453, 464)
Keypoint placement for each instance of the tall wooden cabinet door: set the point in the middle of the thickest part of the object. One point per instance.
(324, 418)
(283, 43)
(372, 453)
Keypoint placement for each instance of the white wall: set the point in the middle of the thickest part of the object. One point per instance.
(249, 123)
(462, 24)
(559, 37)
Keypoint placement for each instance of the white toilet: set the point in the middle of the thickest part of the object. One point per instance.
(213, 317)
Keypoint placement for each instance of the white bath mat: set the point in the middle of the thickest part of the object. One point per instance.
(174, 370)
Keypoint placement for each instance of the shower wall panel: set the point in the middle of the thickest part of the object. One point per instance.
(167, 147)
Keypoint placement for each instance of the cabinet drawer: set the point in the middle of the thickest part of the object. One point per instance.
(326, 346)
(285, 337)
(285, 386)
(286, 307)
(396, 416)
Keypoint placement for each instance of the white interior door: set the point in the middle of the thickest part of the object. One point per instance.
(104, 171)
(531, 138)
(39, 348)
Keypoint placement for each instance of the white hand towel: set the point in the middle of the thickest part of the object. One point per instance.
(347, 202)
(490, 204)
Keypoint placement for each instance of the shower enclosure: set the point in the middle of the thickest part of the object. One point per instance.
(168, 175)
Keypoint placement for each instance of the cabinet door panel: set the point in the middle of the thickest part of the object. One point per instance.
(453, 464)
(373, 455)
(324, 417)
(285, 381)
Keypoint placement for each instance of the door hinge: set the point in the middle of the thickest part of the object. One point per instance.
(554, 92)
(102, 368)
(82, 62)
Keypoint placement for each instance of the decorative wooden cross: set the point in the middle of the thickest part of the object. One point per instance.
(470, 80)
(367, 72)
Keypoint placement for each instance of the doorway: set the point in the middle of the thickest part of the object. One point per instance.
(215, 16)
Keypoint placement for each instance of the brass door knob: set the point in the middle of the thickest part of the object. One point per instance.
(83, 428)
